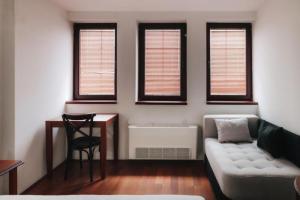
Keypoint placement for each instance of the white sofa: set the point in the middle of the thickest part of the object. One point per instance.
(244, 171)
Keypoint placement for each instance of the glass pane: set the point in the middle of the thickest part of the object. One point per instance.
(162, 62)
(228, 62)
(97, 62)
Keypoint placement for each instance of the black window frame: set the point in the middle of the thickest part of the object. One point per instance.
(249, 87)
(76, 57)
(142, 27)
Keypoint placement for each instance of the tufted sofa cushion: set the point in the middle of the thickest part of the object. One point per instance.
(244, 171)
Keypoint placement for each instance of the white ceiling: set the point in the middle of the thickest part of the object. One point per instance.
(160, 5)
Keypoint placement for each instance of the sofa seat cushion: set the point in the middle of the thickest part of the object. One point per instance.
(244, 171)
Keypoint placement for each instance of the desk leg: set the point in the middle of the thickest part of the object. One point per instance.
(116, 138)
(13, 179)
(103, 151)
(49, 148)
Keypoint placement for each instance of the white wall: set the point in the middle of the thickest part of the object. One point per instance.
(7, 84)
(277, 64)
(1, 86)
(196, 68)
(1, 68)
(43, 80)
(8, 80)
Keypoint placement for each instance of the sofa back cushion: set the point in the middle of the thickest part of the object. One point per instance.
(270, 138)
(279, 142)
(291, 144)
(210, 129)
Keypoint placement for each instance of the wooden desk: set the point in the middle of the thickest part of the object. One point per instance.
(10, 166)
(101, 121)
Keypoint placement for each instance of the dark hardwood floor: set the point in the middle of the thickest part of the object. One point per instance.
(130, 177)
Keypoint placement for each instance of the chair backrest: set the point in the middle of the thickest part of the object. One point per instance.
(75, 122)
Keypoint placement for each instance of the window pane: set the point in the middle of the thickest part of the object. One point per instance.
(228, 62)
(97, 62)
(162, 62)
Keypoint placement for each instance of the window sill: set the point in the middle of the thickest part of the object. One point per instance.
(91, 102)
(161, 103)
(231, 103)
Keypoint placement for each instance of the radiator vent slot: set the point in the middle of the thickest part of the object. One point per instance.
(163, 153)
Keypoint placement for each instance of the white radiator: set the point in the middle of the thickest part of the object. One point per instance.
(159, 142)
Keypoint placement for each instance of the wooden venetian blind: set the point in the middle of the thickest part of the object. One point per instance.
(162, 62)
(228, 62)
(97, 62)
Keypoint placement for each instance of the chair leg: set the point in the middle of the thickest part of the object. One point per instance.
(80, 156)
(69, 156)
(91, 163)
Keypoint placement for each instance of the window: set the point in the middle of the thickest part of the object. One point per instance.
(95, 61)
(162, 62)
(229, 62)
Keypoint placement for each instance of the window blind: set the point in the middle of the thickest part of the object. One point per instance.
(97, 62)
(228, 62)
(162, 62)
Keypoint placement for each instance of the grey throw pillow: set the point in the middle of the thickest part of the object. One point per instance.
(233, 130)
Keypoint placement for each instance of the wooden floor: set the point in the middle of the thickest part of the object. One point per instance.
(130, 177)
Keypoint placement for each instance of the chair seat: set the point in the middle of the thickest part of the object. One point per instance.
(84, 142)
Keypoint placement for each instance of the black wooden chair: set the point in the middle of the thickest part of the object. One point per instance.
(85, 143)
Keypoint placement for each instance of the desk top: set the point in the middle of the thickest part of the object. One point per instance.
(97, 118)
(8, 165)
